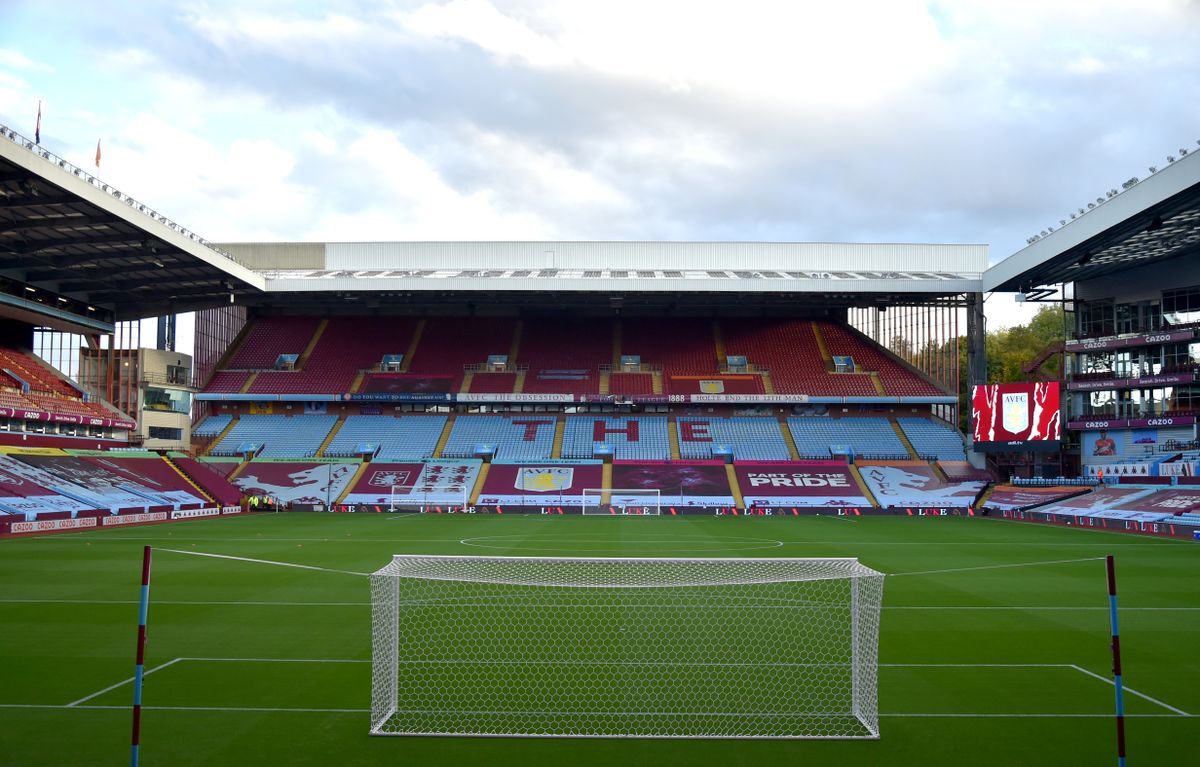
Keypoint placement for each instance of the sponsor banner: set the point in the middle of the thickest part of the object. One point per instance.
(1165, 528)
(1101, 344)
(540, 484)
(38, 415)
(1124, 423)
(193, 513)
(519, 397)
(1179, 469)
(678, 483)
(1162, 379)
(232, 510)
(133, 519)
(1016, 413)
(16, 450)
(1121, 469)
(48, 525)
(916, 485)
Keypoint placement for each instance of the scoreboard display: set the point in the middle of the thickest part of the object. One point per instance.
(1019, 416)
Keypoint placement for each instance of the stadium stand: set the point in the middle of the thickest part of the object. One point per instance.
(680, 346)
(524, 438)
(790, 351)
(268, 337)
(346, 346)
(896, 378)
(280, 436)
(449, 343)
(400, 439)
(933, 440)
(211, 426)
(867, 437)
(752, 439)
(227, 381)
(39, 376)
(209, 480)
(631, 437)
(497, 383)
(564, 356)
(631, 383)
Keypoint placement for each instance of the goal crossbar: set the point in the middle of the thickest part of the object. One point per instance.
(625, 647)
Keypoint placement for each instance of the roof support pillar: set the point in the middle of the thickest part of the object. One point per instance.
(976, 341)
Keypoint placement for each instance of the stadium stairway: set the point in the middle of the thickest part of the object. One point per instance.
(480, 479)
(442, 440)
(358, 379)
(862, 485)
(822, 347)
(605, 382)
(606, 483)
(418, 331)
(987, 493)
(734, 489)
(312, 343)
(768, 384)
(362, 469)
(199, 490)
(467, 378)
(228, 428)
(337, 426)
(656, 382)
(877, 382)
(519, 382)
(249, 382)
(560, 428)
(673, 438)
(912, 451)
(515, 347)
(788, 439)
(938, 471)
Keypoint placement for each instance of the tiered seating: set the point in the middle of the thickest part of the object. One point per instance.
(498, 383)
(283, 436)
(897, 380)
(961, 471)
(789, 349)
(14, 400)
(346, 346)
(933, 440)
(867, 437)
(553, 347)
(36, 373)
(527, 437)
(681, 346)
(408, 438)
(269, 337)
(631, 437)
(449, 343)
(52, 404)
(227, 381)
(752, 439)
(211, 481)
(630, 383)
(211, 426)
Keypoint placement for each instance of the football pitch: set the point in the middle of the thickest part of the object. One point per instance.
(981, 662)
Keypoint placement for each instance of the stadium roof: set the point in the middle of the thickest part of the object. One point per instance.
(69, 240)
(1153, 220)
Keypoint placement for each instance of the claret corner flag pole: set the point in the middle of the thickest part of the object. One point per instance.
(1116, 658)
(140, 669)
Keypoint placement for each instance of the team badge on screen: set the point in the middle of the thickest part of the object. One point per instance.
(544, 480)
(1015, 416)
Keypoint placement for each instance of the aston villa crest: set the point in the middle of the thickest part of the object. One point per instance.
(548, 479)
(712, 387)
(389, 478)
(1015, 416)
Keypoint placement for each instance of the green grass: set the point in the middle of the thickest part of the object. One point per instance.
(966, 656)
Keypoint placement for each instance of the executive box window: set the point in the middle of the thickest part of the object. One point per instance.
(164, 432)
(1182, 306)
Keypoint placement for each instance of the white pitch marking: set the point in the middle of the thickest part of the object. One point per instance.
(997, 567)
(124, 682)
(1130, 690)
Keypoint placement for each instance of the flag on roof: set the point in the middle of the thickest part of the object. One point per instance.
(97, 153)
(37, 129)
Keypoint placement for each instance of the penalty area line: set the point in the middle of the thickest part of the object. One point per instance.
(1130, 690)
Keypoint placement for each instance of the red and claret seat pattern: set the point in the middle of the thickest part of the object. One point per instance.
(69, 406)
(563, 345)
(348, 345)
(269, 337)
(789, 349)
(36, 373)
(631, 383)
(897, 380)
(449, 343)
(211, 481)
(493, 383)
(227, 381)
(681, 346)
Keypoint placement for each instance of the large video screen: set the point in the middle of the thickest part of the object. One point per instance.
(1020, 416)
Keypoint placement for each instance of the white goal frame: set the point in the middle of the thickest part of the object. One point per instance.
(593, 501)
(419, 498)
(625, 647)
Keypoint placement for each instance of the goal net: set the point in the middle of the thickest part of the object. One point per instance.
(423, 497)
(621, 501)
(654, 648)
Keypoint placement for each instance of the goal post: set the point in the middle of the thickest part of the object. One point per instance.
(425, 496)
(639, 501)
(637, 647)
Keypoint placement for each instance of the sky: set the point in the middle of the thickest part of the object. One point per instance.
(969, 121)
